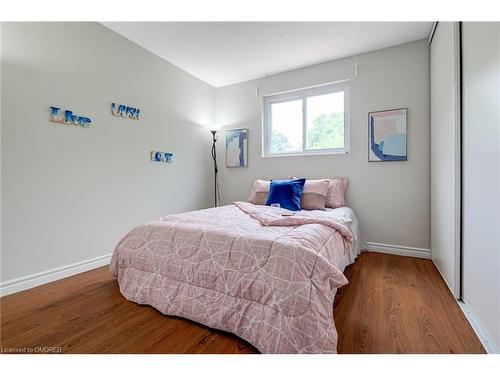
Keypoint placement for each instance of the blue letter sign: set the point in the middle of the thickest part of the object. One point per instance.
(165, 157)
(125, 111)
(68, 118)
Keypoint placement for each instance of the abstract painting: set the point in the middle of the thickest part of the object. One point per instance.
(237, 148)
(387, 135)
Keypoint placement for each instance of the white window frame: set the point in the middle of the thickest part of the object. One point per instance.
(303, 94)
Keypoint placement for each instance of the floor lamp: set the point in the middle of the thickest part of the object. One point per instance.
(214, 130)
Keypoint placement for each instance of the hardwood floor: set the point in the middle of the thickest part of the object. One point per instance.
(393, 304)
(398, 304)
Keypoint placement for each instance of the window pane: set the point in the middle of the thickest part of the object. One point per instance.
(325, 121)
(286, 127)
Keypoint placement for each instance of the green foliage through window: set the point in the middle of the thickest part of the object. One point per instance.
(308, 120)
(327, 132)
(279, 142)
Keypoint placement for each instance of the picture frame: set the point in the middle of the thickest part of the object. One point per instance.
(237, 148)
(387, 135)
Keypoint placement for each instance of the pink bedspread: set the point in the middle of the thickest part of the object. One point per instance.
(241, 268)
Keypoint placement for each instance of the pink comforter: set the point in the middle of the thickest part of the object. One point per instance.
(241, 268)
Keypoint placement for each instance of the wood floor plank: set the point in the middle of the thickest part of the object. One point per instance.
(392, 304)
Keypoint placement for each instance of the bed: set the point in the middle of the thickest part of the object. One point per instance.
(243, 268)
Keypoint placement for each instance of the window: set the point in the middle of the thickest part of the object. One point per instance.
(307, 121)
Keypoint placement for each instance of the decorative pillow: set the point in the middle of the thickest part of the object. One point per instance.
(336, 192)
(287, 193)
(311, 195)
(314, 194)
(259, 192)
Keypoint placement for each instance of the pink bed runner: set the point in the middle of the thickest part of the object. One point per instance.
(241, 268)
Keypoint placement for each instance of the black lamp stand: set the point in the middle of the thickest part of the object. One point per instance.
(216, 170)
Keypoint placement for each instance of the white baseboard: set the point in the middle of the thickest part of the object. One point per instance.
(36, 279)
(31, 281)
(408, 251)
(481, 332)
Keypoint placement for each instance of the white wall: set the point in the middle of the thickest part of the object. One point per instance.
(70, 193)
(391, 198)
(445, 153)
(481, 174)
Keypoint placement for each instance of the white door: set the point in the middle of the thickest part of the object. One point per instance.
(481, 176)
(445, 153)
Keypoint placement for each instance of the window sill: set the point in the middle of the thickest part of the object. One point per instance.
(322, 153)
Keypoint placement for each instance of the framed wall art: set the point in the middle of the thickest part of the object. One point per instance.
(237, 148)
(387, 135)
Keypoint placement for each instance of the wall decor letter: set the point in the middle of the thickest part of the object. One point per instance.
(125, 111)
(68, 118)
(160, 156)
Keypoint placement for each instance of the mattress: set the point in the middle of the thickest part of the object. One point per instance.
(245, 269)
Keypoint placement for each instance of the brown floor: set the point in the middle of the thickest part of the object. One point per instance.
(393, 304)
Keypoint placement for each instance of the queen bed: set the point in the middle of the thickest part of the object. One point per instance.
(244, 268)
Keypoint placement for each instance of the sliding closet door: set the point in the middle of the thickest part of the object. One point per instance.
(445, 153)
(481, 174)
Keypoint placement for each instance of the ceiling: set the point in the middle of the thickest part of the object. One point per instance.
(223, 53)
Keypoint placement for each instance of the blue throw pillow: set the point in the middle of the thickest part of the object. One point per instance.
(287, 193)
